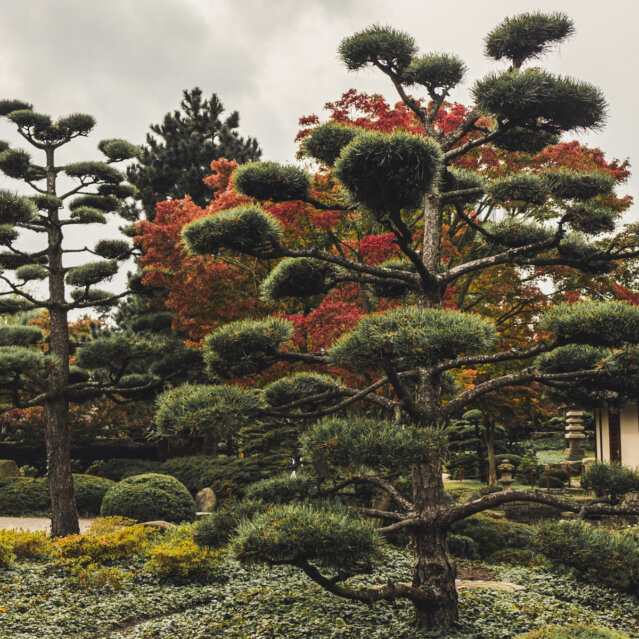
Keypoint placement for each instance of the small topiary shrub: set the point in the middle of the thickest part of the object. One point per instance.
(215, 530)
(89, 492)
(23, 496)
(118, 468)
(574, 632)
(149, 497)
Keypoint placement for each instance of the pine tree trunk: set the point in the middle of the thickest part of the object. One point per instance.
(64, 516)
(433, 567)
(434, 570)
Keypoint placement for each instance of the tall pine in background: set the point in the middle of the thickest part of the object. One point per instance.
(179, 151)
(414, 349)
(89, 190)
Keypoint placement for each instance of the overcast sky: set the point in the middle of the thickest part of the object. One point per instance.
(127, 61)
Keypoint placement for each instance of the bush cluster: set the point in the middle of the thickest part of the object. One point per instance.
(149, 497)
(596, 555)
(574, 632)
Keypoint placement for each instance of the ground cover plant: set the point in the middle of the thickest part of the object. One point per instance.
(138, 583)
(407, 361)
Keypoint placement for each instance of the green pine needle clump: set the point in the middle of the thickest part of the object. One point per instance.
(16, 335)
(513, 233)
(519, 190)
(246, 229)
(569, 185)
(297, 386)
(15, 209)
(528, 36)
(325, 143)
(595, 323)
(383, 45)
(387, 173)
(98, 171)
(194, 409)
(353, 442)
(298, 277)
(245, 347)
(435, 71)
(271, 181)
(412, 336)
(532, 97)
(327, 534)
(92, 273)
(571, 357)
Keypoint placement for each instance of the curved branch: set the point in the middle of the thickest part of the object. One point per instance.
(387, 592)
(462, 511)
(515, 379)
(503, 356)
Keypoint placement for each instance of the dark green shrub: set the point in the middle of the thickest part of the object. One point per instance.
(191, 471)
(610, 479)
(491, 534)
(216, 529)
(89, 492)
(462, 546)
(149, 497)
(574, 632)
(283, 489)
(119, 467)
(237, 473)
(23, 496)
(596, 555)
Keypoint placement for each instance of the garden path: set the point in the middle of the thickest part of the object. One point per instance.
(35, 523)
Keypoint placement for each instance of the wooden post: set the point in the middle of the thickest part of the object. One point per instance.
(461, 473)
(548, 479)
(532, 477)
(229, 493)
(568, 473)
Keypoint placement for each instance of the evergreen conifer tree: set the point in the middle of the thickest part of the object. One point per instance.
(178, 153)
(406, 183)
(35, 369)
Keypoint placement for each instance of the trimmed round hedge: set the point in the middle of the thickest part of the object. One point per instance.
(24, 496)
(149, 497)
(89, 493)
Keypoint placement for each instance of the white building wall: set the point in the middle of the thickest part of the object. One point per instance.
(629, 431)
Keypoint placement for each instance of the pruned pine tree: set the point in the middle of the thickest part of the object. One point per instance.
(179, 151)
(35, 367)
(406, 183)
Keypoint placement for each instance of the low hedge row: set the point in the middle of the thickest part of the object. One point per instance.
(30, 495)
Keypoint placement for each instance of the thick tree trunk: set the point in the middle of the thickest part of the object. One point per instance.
(64, 516)
(434, 570)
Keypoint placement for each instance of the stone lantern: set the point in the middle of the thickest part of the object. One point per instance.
(506, 474)
(575, 434)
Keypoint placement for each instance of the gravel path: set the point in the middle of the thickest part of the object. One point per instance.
(35, 523)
